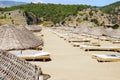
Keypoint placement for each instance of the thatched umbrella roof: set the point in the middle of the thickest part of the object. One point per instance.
(98, 31)
(87, 24)
(109, 31)
(115, 34)
(118, 33)
(34, 28)
(17, 38)
(84, 29)
(112, 33)
(118, 30)
(76, 30)
(14, 68)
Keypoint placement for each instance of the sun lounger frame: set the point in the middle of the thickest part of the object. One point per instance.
(105, 57)
(101, 48)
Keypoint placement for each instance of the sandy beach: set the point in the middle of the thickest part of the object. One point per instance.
(73, 63)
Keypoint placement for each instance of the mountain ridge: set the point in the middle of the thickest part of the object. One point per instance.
(10, 3)
(58, 12)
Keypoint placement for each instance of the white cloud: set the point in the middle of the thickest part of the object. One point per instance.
(36, 1)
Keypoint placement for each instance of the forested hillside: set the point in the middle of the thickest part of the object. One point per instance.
(58, 12)
(49, 12)
(111, 8)
(107, 16)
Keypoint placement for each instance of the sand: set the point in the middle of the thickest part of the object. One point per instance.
(72, 63)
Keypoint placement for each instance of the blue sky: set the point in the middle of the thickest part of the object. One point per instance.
(88, 2)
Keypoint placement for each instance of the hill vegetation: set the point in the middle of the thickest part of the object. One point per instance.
(111, 8)
(15, 17)
(92, 17)
(49, 12)
(107, 16)
(58, 12)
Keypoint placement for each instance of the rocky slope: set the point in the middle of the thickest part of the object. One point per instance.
(117, 13)
(93, 17)
(17, 17)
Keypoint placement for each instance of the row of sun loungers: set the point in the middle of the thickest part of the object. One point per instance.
(92, 46)
(81, 42)
(72, 38)
(84, 41)
(87, 46)
(106, 57)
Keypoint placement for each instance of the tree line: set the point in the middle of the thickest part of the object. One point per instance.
(49, 12)
(111, 8)
(57, 12)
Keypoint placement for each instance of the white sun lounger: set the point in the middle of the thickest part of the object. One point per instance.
(100, 48)
(78, 40)
(78, 44)
(32, 54)
(103, 38)
(106, 57)
(94, 56)
(116, 41)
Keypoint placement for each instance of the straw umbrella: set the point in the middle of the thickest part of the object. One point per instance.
(34, 28)
(14, 68)
(115, 34)
(12, 38)
(76, 30)
(109, 31)
(84, 29)
(87, 24)
(118, 30)
(97, 31)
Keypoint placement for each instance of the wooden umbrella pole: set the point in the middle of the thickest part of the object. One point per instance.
(21, 51)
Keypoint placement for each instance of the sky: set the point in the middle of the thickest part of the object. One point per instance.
(87, 2)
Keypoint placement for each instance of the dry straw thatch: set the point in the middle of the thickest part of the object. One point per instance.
(84, 29)
(97, 31)
(108, 31)
(14, 68)
(12, 38)
(34, 28)
(87, 24)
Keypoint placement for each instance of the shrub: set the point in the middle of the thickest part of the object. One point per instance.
(116, 26)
